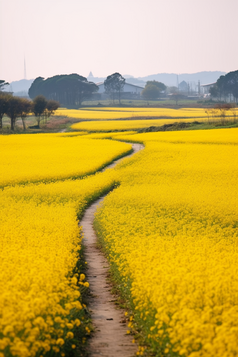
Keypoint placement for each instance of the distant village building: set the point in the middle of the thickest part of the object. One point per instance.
(183, 86)
(127, 89)
(130, 91)
(206, 93)
(205, 88)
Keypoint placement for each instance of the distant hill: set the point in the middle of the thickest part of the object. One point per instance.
(20, 86)
(129, 79)
(170, 79)
(136, 81)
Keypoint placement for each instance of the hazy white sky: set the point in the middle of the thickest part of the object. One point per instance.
(137, 37)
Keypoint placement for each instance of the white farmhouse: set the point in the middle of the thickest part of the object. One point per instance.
(206, 87)
(128, 88)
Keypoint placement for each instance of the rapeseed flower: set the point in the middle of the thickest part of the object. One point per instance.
(40, 245)
(170, 233)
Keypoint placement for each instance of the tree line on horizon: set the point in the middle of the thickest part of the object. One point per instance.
(225, 86)
(17, 107)
(71, 90)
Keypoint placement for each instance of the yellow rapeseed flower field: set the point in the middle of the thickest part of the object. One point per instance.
(41, 264)
(110, 125)
(41, 275)
(130, 113)
(170, 233)
(33, 158)
(169, 230)
(218, 136)
(125, 113)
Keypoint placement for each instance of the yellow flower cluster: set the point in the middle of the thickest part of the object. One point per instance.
(110, 125)
(46, 157)
(39, 294)
(125, 113)
(170, 232)
(221, 136)
(41, 279)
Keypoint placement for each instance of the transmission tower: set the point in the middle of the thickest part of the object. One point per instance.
(24, 67)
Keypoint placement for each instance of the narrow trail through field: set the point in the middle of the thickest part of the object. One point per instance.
(110, 338)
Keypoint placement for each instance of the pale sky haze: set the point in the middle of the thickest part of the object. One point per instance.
(137, 37)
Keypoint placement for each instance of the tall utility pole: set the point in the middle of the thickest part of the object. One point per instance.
(178, 82)
(199, 88)
(24, 68)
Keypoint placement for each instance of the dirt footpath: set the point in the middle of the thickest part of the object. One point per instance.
(110, 338)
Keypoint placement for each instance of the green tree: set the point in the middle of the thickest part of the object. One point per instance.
(153, 89)
(51, 107)
(114, 84)
(25, 107)
(172, 89)
(35, 88)
(231, 83)
(69, 90)
(3, 106)
(161, 86)
(39, 107)
(150, 92)
(13, 109)
(3, 84)
(214, 91)
(226, 85)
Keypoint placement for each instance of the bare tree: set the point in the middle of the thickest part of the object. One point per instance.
(176, 96)
(224, 108)
(25, 107)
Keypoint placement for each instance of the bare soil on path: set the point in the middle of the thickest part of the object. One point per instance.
(110, 338)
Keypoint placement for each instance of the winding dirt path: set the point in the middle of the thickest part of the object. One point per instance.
(110, 338)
